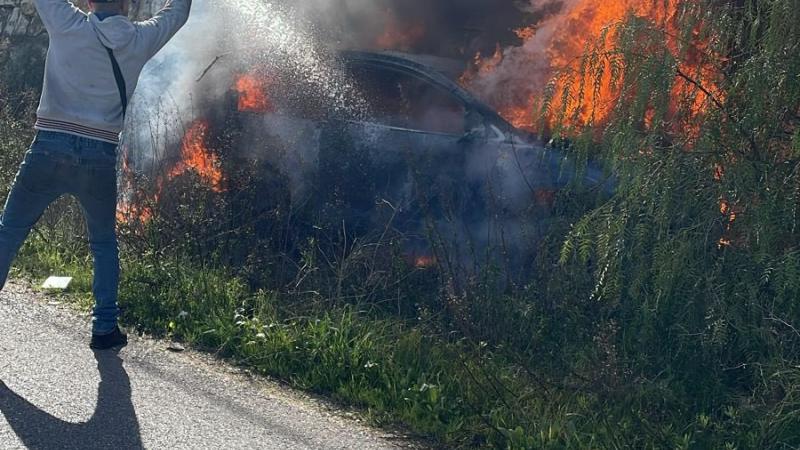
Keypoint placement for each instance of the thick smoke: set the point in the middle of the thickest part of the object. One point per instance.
(195, 70)
(452, 28)
(519, 72)
(298, 37)
(195, 73)
(516, 78)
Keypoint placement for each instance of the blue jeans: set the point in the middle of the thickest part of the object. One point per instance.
(58, 164)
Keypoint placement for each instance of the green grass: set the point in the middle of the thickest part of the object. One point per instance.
(400, 372)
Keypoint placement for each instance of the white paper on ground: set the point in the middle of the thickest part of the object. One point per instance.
(57, 283)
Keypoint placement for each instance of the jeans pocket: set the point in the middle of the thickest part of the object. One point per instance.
(99, 155)
(38, 173)
(48, 142)
(102, 184)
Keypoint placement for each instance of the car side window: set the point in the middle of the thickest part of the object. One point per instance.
(400, 100)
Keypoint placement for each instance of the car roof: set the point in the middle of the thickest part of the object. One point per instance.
(423, 67)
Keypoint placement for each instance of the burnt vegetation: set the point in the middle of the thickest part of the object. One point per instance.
(665, 315)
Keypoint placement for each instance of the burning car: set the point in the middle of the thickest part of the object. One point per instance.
(408, 149)
(420, 149)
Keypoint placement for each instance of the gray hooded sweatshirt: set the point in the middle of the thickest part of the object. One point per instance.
(80, 94)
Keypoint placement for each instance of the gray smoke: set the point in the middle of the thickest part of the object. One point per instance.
(523, 69)
(196, 71)
(299, 38)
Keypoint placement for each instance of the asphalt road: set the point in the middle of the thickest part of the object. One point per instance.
(56, 393)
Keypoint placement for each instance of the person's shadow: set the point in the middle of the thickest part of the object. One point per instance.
(113, 424)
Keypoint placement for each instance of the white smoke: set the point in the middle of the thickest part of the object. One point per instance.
(197, 67)
(523, 70)
(299, 38)
(196, 71)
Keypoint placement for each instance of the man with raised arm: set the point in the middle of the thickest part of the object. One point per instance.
(93, 65)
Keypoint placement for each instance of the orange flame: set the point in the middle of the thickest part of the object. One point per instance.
(730, 214)
(525, 33)
(196, 157)
(559, 50)
(127, 210)
(252, 92)
(425, 262)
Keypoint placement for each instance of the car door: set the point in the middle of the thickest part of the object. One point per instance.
(403, 159)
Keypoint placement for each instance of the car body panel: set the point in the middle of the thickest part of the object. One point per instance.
(480, 182)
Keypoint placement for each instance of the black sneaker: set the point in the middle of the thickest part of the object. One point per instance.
(116, 339)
